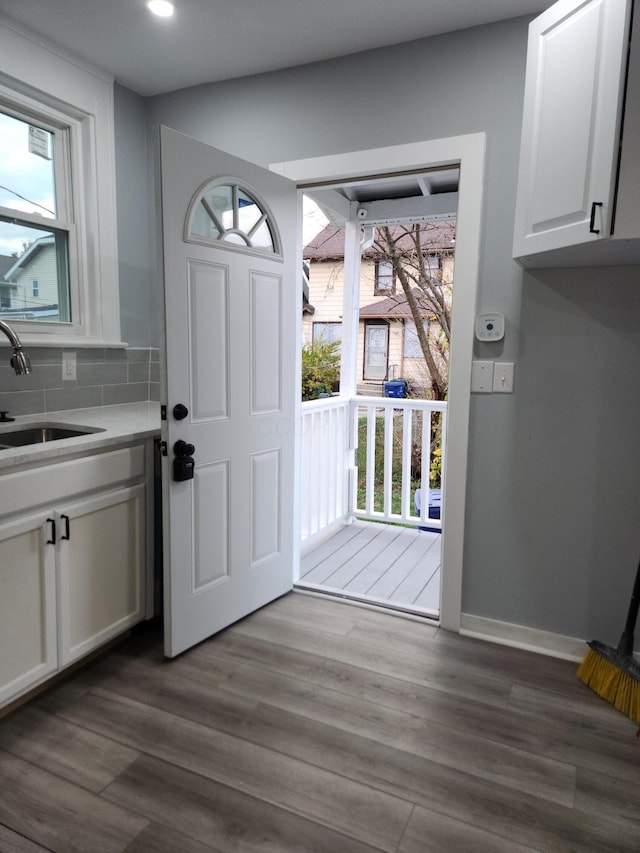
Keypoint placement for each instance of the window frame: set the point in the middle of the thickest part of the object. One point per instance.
(383, 291)
(58, 125)
(37, 79)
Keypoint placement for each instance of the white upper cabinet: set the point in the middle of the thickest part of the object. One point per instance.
(573, 106)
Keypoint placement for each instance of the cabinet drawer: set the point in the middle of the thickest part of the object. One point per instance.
(47, 484)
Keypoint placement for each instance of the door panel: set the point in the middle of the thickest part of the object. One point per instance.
(376, 344)
(231, 321)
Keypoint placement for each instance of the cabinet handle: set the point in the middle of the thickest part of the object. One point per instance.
(52, 522)
(592, 220)
(66, 534)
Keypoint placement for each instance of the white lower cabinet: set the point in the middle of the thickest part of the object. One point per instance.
(28, 633)
(72, 575)
(101, 570)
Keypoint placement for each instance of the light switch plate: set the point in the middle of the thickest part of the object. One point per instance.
(482, 377)
(503, 372)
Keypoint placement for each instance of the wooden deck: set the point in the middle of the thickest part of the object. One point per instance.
(383, 564)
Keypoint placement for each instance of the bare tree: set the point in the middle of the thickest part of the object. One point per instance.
(411, 249)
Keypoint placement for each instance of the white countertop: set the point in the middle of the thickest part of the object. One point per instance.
(118, 425)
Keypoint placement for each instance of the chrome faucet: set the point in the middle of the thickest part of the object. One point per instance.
(19, 360)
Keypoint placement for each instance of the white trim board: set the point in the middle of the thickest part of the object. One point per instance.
(468, 151)
(521, 637)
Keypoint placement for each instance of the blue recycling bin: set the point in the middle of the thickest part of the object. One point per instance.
(395, 388)
(435, 505)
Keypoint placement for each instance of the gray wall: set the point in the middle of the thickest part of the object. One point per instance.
(139, 298)
(552, 532)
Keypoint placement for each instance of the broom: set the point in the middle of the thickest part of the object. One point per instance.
(612, 672)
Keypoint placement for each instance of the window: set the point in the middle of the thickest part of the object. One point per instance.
(231, 214)
(327, 332)
(58, 246)
(385, 283)
(412, 348)
(33, 177)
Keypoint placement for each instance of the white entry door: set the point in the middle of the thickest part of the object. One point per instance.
(229, 232)
(376, 345)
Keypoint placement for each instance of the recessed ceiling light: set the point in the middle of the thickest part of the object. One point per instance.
(162, 8)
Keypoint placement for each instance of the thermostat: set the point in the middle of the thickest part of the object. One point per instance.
(490, 327)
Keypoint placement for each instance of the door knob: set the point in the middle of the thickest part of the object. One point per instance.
(183, 448)
(180, 411)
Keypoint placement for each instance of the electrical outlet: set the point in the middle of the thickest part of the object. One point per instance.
(69, 371)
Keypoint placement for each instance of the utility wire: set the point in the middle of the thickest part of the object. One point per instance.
(28, 200)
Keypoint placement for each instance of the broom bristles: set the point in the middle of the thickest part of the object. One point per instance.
(612, 683)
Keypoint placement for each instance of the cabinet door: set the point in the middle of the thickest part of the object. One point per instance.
(101, 570)
(576, 61)
(28, 651)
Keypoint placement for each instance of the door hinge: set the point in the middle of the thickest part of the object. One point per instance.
(163, 413)
(163, 448)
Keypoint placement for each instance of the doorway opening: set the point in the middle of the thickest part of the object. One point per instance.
(468, 153)
(393, 291)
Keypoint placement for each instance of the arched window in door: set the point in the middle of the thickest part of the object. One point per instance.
(223, 211)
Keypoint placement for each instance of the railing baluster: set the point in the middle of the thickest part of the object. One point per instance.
(407, 443)
(388, 462)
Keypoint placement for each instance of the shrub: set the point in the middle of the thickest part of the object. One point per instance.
(320, 368)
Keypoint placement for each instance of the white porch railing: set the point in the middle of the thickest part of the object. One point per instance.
(396, 458)
(325, 461)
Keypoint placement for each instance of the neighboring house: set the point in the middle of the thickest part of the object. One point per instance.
(388, 345)
(33, 282)
(6, 262)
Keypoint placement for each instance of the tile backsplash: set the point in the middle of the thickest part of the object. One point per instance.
(104, 377)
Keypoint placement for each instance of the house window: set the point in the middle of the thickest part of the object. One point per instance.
(385, 281)
(327, 332)
(412, 348)
(57, 204)
(34, 175)
(5, 298)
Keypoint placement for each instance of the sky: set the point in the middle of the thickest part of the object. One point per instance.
(26, 183)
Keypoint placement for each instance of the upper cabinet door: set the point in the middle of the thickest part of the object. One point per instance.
(576, 63)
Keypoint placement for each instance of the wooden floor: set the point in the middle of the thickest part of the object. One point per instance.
(315, 726)
(377, 563)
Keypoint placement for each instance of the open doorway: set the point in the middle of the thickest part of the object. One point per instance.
(401, 291)
(468, 153)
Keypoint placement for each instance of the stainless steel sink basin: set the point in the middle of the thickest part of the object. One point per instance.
(41, 434)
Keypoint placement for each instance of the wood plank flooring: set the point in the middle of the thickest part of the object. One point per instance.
(377, 563)
(315, 726)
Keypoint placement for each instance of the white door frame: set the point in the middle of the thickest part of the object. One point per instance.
(468, 151)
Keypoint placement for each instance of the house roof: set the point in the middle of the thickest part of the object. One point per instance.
(393, 306)
(329, 243)
(6, 262)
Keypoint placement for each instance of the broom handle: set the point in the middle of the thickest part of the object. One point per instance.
(625, 646)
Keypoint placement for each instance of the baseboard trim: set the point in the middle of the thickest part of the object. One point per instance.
(521, 637)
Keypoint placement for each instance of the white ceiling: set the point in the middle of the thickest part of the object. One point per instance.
(211, 40)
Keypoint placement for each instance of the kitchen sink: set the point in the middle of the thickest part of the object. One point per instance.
(40, 434)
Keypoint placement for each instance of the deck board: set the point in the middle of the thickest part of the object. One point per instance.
(378, 563)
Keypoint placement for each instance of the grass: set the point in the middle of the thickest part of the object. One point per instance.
(396, 467)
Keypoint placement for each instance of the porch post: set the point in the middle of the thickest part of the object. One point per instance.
(350, 306)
